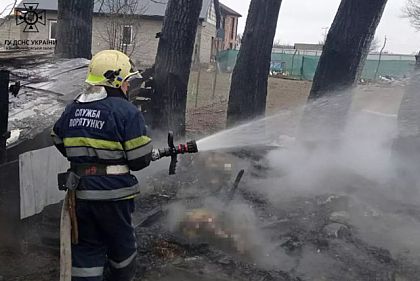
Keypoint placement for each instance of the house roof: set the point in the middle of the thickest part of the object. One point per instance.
(152, 8)
(42, 4)
(228, 10)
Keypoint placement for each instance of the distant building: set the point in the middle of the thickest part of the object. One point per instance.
(227, 36)
(299, 49)
(283, 47)
(279, 48)
(230, 20)
(133, 32)
(308, 47)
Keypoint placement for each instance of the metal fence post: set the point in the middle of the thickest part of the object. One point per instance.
(302, 68)
(4, 113)
(198, 85)
(293, 62)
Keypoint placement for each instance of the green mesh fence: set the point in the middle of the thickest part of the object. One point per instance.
(304, 66)
(227, 60)
(393, 68)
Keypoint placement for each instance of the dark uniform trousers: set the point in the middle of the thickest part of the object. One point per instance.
(106, 237)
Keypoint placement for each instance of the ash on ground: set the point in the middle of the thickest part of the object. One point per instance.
(190, 229)
(196, 226)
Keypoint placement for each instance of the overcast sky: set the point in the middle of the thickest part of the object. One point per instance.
(304, 21)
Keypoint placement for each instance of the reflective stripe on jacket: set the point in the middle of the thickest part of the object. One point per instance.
(108, 131)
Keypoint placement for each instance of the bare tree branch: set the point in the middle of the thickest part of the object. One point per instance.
(3, 17)
(101, 4)
(11, 6)
(412, 11)
(116, 15)
(159, 2)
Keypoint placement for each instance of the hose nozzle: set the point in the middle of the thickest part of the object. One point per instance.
(172, 151)
(189, 147)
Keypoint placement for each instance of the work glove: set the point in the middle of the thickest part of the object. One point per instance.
(155, 154)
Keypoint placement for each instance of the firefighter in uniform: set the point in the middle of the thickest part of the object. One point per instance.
(104, 137)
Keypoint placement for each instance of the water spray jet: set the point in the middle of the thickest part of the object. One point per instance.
(255, 133)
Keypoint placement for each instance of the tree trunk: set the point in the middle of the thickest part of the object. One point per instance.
(74, 29)
(4, 113)
(248, 91)
(340, 65)
(173, 63)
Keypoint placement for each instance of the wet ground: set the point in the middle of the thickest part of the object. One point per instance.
(317, 237)
(189, 229)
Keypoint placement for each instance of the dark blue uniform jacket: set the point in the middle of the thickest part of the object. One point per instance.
(111, 131)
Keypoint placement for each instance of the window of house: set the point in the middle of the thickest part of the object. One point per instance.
(127, 34)
(233, 33)
(213, 49)
(52, 29)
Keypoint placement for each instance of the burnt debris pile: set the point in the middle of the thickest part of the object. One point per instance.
(190, 228)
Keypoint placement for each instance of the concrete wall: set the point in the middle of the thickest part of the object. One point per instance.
(43, 29)
(205, 33)
(143, 49)
(11, 31)
(144, 45)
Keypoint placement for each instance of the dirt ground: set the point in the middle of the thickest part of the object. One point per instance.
(205, 110)
(165, 257)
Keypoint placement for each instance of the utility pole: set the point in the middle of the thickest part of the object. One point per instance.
(4, 113)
